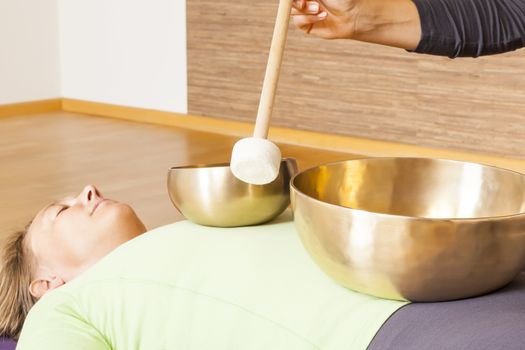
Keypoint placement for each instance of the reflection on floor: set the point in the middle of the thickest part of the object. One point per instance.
(47, 156)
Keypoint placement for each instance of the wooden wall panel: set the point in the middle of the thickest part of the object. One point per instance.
(353, 88)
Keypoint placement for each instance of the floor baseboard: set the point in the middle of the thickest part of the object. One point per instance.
(331, 142)
(31, 107)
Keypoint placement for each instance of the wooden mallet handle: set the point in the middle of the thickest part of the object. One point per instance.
(262, 123)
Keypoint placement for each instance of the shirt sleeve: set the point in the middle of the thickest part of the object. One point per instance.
(53, 325)
(470, 28)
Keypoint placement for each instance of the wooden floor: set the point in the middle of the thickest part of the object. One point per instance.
(47, 156)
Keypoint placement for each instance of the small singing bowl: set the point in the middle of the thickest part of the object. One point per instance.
(211, 195)
(413, 229)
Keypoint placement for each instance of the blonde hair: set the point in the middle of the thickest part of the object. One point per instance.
(15, 277)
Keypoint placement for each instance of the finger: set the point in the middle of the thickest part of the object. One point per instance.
(304, 22)
(299, 4)
(312, 8)
(302, 13)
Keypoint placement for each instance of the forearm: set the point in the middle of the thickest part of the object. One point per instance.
(471, 28)
(453, 28)
(389, 22)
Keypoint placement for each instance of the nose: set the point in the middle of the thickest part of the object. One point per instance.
(89, 194)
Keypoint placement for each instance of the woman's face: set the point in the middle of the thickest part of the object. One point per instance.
(69, 236)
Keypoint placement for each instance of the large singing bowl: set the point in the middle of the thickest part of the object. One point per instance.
(211, 195)
(412, 228)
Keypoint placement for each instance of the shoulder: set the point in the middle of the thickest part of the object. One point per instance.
(55, 322)
(52, 310)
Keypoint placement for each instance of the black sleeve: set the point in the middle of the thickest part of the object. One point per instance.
(470, 28)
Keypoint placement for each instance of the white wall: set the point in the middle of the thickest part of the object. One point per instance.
(125, 52)
(29, 54)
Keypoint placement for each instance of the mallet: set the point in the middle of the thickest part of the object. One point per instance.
(256, 160)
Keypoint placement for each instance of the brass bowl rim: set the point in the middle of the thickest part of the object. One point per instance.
(214, 165)
(405, 217)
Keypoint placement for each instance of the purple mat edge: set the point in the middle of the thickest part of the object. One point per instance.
(7, 344)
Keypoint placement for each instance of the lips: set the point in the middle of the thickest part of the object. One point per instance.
(96, 206)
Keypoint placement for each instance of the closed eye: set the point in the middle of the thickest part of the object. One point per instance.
(64, 208)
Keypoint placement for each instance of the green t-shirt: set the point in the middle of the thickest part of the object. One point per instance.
(185, 286)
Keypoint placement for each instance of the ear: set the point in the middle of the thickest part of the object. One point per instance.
(39, 287)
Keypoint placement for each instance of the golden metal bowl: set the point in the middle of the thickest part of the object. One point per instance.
(210, 195)
(413, 228)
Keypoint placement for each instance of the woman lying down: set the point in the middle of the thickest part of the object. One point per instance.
(64, 240)
(89, 277)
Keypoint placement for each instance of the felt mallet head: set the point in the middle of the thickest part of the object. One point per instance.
(255, 160)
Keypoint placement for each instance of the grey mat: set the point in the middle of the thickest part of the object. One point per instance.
(492, 322)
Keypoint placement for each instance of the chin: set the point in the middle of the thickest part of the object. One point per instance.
(123, 216)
